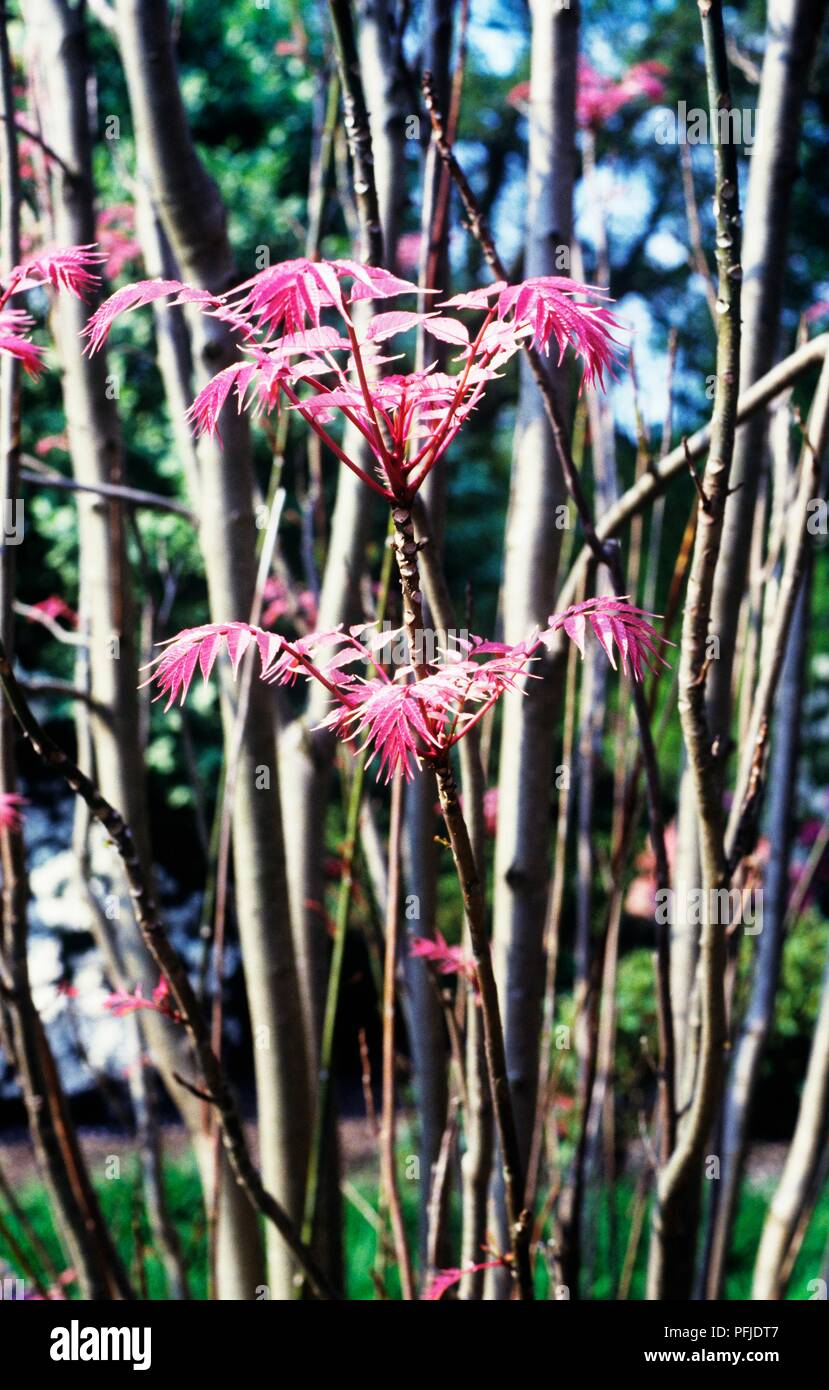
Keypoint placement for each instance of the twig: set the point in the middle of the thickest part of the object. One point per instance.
(70, 175)
(46, 477)
(699, 260)
(475, 914)
(358, 131)
(743, 807)
(700, 491)
(33, 614)
(225, 814)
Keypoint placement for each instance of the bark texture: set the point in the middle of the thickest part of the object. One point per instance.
(532, 545)
(193, 219)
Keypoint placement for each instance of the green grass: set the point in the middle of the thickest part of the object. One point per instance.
(121, 1207)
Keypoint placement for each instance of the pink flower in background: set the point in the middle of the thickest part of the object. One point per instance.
(121, 1002)
(491, 810)
(11, 815)
(115, 230)
(25, 150)
(55, 607)
(449, 960)
(281, 602)
(599, 98)
(409, 247)
(816, 311)
(48, 442)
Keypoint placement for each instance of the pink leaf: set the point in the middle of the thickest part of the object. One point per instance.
(448, 1278)
(449, 960)
(209, 403)
(372, 282)
(383, 326)
(199, 646)
(130, 297)
(115, 229)
(63, 267)
(15, 342)
(474, 299)
(556, 308)
(615, 622)
(121, 1002)
(448, 331)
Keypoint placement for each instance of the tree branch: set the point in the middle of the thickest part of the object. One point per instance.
(172, 968)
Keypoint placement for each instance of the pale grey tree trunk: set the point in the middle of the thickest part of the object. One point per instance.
(26, 1047)
(171, 336)
(194, 222)
(532, 545)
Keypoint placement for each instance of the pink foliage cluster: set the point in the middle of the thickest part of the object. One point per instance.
(614, 622)
(403, 721)
(282, 602)
(11, 812)
(121, 1002)
(68, 270)
(329, 371)
(599, 98)
(115, 230)
(55, 607)
(448, 960)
